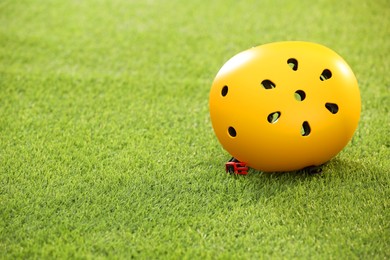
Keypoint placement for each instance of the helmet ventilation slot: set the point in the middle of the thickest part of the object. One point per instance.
(267, 84)
(232, 132)
(224, 90)
(305, 130)
(300, 95)
(273, 117)
(293, 63)
(333, 108)
(325, 75)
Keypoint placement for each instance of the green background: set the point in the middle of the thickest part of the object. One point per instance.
(106, 145)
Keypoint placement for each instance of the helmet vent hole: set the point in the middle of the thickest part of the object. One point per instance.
(232, 132)
(224, 91)
(273, 117)
(333, 108)
(305, 130)
(325, 75)
(293, 63)
(267, 84)
(300, 95)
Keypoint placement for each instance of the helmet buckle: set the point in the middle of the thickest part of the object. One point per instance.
(236, 167)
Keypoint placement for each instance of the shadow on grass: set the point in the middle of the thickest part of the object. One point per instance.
(335, 174)
(335, 167)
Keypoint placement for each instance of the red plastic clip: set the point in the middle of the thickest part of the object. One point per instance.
(236, 167)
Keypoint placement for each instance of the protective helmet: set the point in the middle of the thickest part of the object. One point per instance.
(285, 106)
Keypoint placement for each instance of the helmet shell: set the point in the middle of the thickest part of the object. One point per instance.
(285, 106)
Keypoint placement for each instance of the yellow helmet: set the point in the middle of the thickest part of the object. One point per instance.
(285, 106)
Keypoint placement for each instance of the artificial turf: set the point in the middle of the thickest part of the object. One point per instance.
(106, 145)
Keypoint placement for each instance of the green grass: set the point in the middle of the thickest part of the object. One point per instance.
(107, 150)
